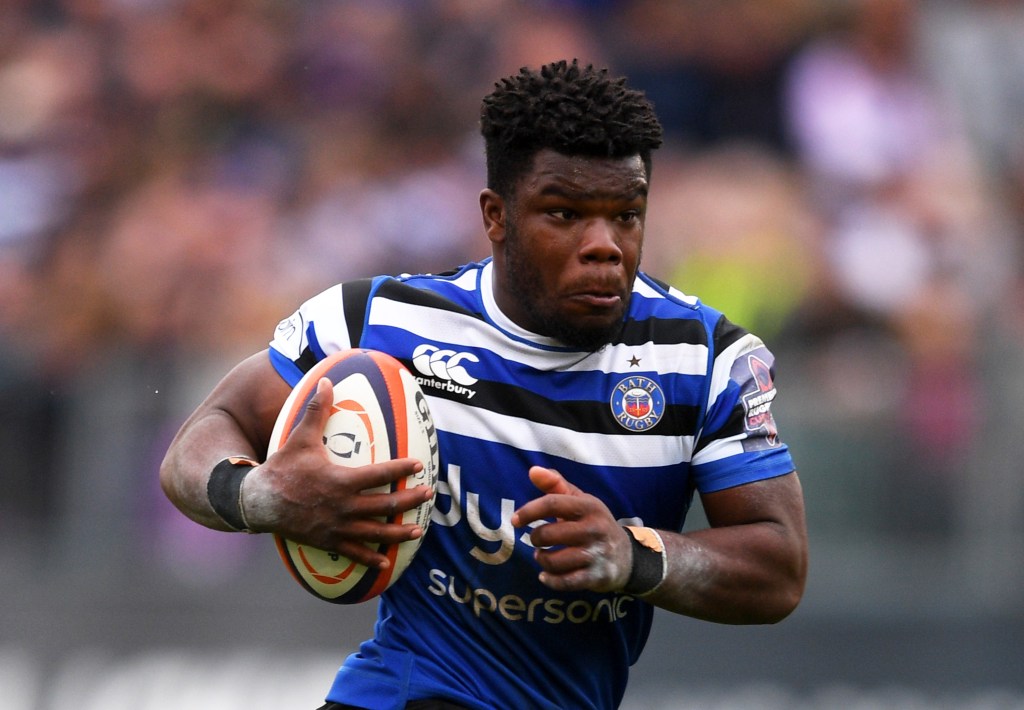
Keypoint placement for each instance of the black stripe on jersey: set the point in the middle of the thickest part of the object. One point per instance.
(355, 295)
(594, 417)
(454, 271)
(404, 293)
(658, 282)
(734, 426)
(727, 333)
(661, 331)
(306, 360)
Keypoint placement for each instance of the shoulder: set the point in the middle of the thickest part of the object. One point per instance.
(654, 298)
(651, 287)
(666, 314)
(457, 289)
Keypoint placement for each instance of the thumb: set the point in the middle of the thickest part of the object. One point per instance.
(318, 411)
(550, 481)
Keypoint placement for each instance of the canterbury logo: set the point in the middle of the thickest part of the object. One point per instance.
(443, 364)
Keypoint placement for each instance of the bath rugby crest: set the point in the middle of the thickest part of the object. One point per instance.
(638, 403)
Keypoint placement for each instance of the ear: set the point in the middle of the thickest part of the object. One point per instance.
(492, 208)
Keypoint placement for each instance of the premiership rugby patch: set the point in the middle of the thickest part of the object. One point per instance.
(758, 393)
(638, 403)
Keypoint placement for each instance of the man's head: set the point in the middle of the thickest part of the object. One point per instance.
(567, 108)
(568, 163)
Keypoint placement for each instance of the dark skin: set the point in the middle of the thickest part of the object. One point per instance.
(566, 249)
(580, 221)
(297, 492)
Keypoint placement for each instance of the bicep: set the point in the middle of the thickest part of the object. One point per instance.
(252, 395)
(765, 521)
(235, 419)
(773, 500)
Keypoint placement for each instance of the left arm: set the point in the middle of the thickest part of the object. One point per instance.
(748, 567)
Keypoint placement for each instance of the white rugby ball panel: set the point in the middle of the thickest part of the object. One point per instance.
(379, 413)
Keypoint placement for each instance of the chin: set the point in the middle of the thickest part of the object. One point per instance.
(586, 338)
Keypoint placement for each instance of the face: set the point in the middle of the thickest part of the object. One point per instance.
(567, 247)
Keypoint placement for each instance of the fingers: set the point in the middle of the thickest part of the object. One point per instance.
(563, 533)
(562, 499)
(359, 529)
(569, 567)
(376, 477)
(579, 543)
(364, 541)
(362, 553)
(590, 556)
(550, 481)
(383, 505)
(353, 511)
(360, 518)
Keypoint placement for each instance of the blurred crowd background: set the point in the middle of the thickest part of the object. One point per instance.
(843, 177)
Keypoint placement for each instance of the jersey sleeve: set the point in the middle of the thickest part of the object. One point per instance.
(319, 327)
(739, 442)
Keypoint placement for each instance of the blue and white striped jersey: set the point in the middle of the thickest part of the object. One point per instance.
(681, 401)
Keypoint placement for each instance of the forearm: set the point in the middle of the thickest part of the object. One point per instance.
(749, 567)
(234, 420)
(207, 438)
(746, 574)
(297, 492)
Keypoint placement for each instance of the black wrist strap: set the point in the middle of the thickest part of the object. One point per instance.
(650, 564)
(224, 490)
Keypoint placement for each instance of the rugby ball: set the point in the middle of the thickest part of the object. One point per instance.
(379, 414)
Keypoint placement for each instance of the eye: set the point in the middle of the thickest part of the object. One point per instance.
(630, 216)
(562, 213)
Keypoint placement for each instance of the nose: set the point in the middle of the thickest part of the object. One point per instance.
(599, 242)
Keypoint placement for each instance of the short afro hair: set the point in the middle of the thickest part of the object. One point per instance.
(567, 108)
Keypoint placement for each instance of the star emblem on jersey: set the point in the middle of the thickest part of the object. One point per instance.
(637, 403)
(634, 361)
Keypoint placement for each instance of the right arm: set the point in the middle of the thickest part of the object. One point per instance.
(298, 492)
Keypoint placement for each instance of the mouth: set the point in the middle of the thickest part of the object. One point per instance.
(597, 299)
(597, 296)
